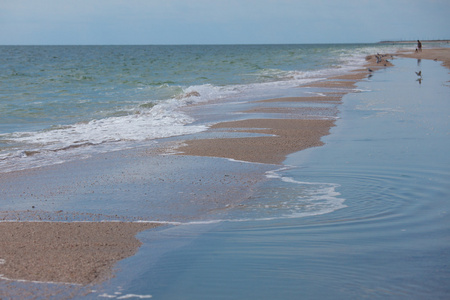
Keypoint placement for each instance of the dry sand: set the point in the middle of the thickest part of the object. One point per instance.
(303, 99)
(439, 54)
(302, 111)
(288, 136)
(292, 132)
(337, 84)
(77, 253)
(294, 135)
(85, 253)
(295, 112)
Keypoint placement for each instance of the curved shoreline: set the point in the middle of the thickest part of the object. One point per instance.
(289, 136)
(107, 243)
(292, 130)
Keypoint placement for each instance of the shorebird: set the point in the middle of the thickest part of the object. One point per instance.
(419, 73)
(370, 70)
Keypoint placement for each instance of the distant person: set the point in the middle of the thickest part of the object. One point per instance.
(419, 46)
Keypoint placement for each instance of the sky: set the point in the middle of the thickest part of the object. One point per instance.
(117, 22)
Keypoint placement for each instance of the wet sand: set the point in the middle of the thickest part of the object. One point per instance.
(293, 131)
(65, 231)
(85, 253)
(289, 135)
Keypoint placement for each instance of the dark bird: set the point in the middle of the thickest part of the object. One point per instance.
(419, 73)
(370, 70)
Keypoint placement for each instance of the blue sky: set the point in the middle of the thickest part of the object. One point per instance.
(61, 22)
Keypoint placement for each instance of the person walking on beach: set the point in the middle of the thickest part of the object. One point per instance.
(419, 46)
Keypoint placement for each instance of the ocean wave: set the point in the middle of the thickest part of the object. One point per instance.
(151, 110)
(146, 123)
(139, 121)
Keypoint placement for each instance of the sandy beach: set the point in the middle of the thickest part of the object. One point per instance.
(286, 135)
(439, 54)
(85, 253)
(77, 253)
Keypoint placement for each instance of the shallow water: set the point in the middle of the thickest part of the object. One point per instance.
(60, 103)
(388, 164)
(365, 216)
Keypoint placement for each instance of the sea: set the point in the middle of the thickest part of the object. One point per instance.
(365, 216)
(60, 102)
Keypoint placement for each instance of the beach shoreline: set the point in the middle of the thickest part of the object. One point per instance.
(258, 149)
(436, 54)
(287, 135)
(290, 128)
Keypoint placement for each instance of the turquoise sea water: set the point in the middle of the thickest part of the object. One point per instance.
(364, 216)
(60, 102)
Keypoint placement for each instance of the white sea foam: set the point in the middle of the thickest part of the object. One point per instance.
(157, 119)
(127, 296)
(307, 199)
(165, 119)
(52, 146)
(316, 197)
(2, 277)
